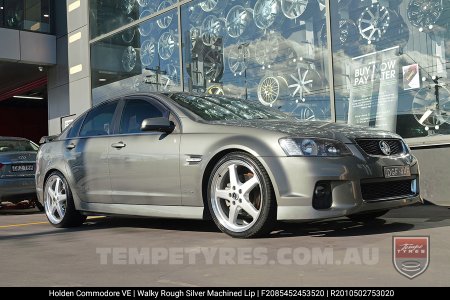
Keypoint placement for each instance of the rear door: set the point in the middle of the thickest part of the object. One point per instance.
(145, 166)
(86, 152)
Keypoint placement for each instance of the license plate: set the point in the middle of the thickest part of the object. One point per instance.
(22, 168)
(393, 172)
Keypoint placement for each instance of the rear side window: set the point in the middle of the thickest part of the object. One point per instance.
(98, 122)
(136, 111)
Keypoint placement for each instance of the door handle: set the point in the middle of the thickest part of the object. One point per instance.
(70, 146)
(119, 145)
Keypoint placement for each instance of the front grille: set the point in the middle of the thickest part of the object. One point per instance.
(374, 191)
(372, 147)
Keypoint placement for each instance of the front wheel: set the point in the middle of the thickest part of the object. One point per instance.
(241, 197)
(367, 217)
(58, 203)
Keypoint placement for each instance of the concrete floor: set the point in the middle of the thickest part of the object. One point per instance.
(33, 253)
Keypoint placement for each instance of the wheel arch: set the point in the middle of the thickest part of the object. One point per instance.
(213, 161)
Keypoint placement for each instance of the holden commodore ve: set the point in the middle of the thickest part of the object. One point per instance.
(238, 162)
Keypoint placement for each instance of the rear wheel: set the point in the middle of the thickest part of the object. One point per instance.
(367, 217)
(241, 197)
(58, 203)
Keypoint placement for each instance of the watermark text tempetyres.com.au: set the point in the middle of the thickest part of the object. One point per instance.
(238, 256)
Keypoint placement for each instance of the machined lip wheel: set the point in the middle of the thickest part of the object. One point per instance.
(236, 195)
(55, 199)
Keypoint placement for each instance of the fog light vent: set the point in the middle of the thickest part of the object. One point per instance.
(322, 198)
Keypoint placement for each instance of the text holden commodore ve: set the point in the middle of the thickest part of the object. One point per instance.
(245, 165)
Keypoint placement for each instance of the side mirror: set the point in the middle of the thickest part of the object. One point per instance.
(47, 139)
(158, 125)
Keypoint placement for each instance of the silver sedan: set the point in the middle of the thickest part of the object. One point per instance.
(238, 162)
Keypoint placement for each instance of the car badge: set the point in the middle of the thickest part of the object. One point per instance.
(385, 148)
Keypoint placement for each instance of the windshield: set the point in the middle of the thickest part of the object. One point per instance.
(218, 108)
(17, 146)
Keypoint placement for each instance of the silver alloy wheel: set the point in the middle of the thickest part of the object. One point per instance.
(236, 195)
(55, 199)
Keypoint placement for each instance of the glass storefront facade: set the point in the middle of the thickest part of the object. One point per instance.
(29, 15)
(362, 62)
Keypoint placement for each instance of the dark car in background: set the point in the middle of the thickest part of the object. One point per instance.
(17, 169)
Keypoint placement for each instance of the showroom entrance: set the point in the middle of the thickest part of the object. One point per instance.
(23, 101)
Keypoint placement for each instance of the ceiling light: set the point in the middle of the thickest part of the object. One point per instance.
(29, 97)
(102, 80)
(46, 15)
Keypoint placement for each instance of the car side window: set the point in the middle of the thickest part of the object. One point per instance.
(136, 111)
(75, 128)
(98, 122)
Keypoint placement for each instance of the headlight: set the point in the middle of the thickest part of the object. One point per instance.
(313, 147)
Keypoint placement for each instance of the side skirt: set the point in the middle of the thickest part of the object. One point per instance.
(175, 212)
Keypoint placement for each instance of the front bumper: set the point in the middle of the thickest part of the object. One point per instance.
(17, 189)
(295, 179)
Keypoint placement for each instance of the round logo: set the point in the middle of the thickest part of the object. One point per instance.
(385, 148)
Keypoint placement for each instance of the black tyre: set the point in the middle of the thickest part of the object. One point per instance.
(240, 196)
(367, 217)
(58, 203)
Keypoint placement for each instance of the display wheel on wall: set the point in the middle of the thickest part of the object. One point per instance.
(213, 65)
(212, 5)
(238, 57)
(305, 82)
(166, 20)
(127, 6)
(292, 9)
(215, 90)
(211, 30)
(270, 89)
(431, 111)
(148, 51)
(147, 27)
(128, 34)
(265, 13)
(348, 33)
(237, 21)
(424, 14)
(374, 22)
(267, 49)
(166, 45)
(129, 59)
